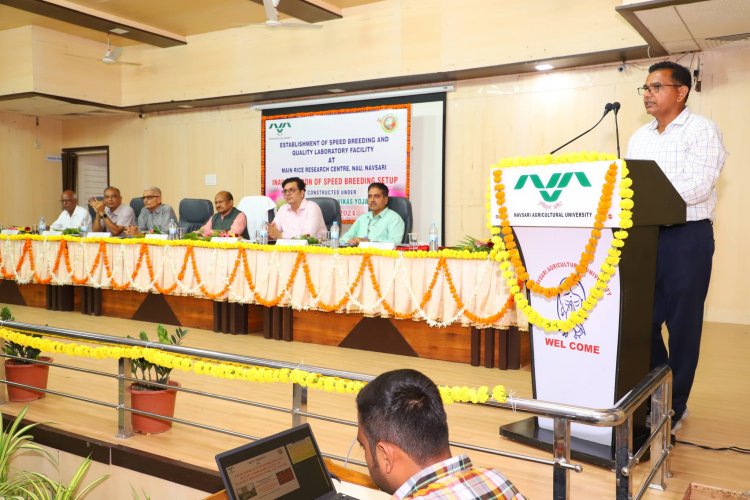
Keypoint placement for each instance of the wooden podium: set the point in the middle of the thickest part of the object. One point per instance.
(599, 361)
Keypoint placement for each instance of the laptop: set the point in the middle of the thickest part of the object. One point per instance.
(287, 465)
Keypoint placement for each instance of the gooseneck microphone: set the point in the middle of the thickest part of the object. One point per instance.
(616, 109)
(607, 108)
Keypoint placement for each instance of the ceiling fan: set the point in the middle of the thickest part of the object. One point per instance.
(272, 18)
(111, 56)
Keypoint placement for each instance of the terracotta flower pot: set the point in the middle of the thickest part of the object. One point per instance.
(160, 401)
(29, 374)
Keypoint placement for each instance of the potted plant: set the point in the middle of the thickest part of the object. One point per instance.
(24, 371)
(27, 484)
(145, 395)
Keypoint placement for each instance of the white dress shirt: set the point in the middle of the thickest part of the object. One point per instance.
(691, 153)
(66, 221)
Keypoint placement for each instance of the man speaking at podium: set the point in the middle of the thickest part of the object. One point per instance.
(689, 150)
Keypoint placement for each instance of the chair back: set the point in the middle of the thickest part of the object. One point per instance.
(402, 206)
(194, 213)
(257, 209)
(137, 205)
(331, 210)
(92, 213)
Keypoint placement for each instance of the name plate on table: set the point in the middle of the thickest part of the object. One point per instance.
(51, 232)
(291, 242)
(10, 232)
(224, 239)
(379, 245)
(99, 234)
(157, 236)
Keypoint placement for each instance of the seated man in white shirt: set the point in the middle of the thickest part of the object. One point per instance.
(111, 215)
(72, 215)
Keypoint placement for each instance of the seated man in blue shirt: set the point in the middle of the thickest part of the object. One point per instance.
(380, 223)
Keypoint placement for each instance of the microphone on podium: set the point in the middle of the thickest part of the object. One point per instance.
(607, 108)
(616, 109)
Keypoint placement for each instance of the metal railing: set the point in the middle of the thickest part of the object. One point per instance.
(657, 385)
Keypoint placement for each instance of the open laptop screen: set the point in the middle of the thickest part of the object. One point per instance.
(287, 465)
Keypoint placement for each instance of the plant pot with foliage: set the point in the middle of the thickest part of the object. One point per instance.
(24, 370)
(149, 393)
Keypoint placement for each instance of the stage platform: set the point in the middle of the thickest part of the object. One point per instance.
(720, 407)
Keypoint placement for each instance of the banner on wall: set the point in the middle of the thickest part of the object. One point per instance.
(338, 153)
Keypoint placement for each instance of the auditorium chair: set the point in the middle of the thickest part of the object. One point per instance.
(257, 209)
(330, 208)
(402, 206)
(194, 213)
(137, 205)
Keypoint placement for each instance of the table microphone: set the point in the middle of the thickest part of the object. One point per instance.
(607, 108)
(616, 109)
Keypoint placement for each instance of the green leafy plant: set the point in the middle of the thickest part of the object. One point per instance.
(474, 245)
(34, 485)
(14, 349)
(145, 370)
(311, 240)
(72, 231)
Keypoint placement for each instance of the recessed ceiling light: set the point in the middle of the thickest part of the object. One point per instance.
(119, 31)
(336, 91)
(185, 106)
(544, 67)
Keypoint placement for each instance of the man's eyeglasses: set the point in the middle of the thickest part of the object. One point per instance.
(290, 191)
(150, 197)
(654, 88)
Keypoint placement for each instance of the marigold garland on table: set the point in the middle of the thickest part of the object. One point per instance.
(189, 259)
(231, 371)
(506, 252)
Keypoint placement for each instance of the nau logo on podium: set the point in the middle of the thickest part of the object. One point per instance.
(554, 187)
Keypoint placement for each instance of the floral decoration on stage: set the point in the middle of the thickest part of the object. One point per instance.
(231, 371)
(241, 268)
(506, 251)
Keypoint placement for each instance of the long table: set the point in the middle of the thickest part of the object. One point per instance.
(445, 305)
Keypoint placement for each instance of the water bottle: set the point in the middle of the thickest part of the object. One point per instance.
(172, 229)
(335, 235)
(84, 230)
(433, 237)
(263, 233)
(42, 225)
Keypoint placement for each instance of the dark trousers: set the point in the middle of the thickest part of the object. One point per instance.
(683, 271)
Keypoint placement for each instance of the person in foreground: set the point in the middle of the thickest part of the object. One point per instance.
(227, 218)
(690, 151)
(299, 216)
(72, 215)
(111, 215)
(380, 223)
(403, 429)
(154, 216)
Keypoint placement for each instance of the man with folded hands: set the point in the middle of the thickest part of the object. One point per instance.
(110, 214)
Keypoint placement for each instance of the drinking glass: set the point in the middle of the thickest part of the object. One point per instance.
(413, 237)
(180, 233)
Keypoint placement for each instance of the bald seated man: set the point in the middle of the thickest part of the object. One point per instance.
(227, 218)
(72, 215)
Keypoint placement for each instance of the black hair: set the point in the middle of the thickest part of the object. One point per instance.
(680, 73)
(300, 183)
(380, 186)
(404, 408)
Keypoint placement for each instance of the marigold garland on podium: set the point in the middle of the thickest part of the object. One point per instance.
(578, 237)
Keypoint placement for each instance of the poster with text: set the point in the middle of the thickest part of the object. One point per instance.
(338, 154)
